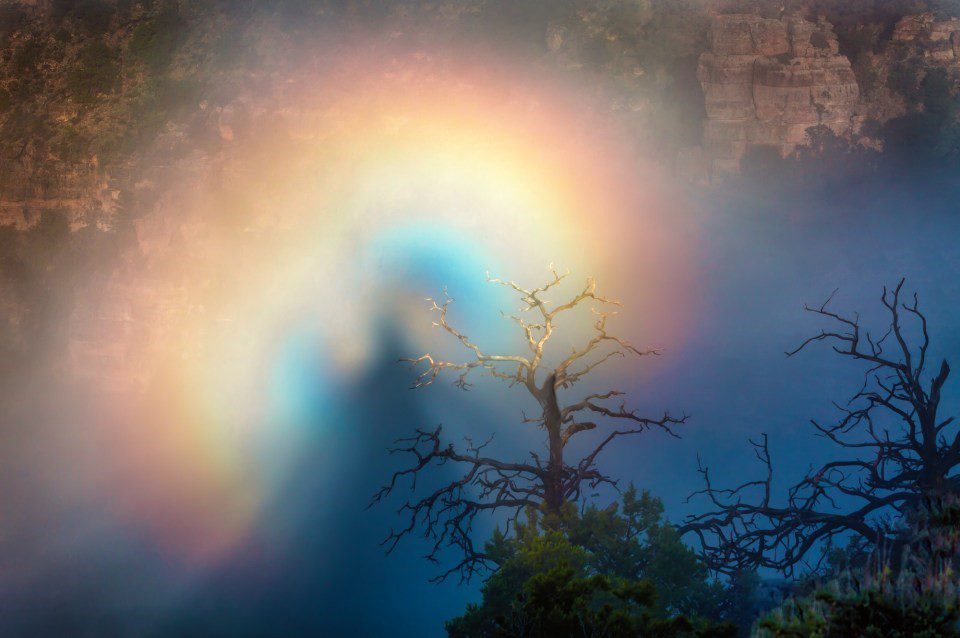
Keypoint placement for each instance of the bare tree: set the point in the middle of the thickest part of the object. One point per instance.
(901, 456)
(546, 479)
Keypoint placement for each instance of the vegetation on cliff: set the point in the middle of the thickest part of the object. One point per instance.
(618, 571)
(914, 593)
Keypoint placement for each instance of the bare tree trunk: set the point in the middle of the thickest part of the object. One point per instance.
(549, 480)
(553, 422)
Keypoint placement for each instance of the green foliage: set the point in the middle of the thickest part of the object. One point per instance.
(851, 611)
(634, 543)
(915, 596)
(621, 571)
(559, 603)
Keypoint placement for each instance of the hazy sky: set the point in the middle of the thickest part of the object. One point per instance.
(718, 278)
(757, 268)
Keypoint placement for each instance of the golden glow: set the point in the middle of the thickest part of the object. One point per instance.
(346, 202)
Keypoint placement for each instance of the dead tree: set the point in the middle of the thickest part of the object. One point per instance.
(901, 456)
(546, 479)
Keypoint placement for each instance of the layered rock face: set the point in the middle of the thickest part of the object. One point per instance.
(937, 41)
(766, 82)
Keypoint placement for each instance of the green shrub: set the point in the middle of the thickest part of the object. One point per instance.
(916, 596)
(620, 572)
(848, 611)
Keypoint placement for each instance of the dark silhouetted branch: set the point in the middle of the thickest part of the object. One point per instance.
(488, 484)
(901, 456)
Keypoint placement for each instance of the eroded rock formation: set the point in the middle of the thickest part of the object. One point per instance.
(764, 81)
(767, 81)
(937, 41)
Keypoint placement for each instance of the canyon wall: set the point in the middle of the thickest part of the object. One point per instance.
(937, 41)
(764, 82)
(767, 81)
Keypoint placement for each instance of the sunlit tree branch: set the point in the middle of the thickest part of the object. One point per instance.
(548, 479)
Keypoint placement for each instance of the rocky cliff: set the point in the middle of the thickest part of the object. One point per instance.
(935, 40)
(767, 81)
(104, 113)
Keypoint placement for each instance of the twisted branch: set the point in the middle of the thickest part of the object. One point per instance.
(902, 455)
(488, 484)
